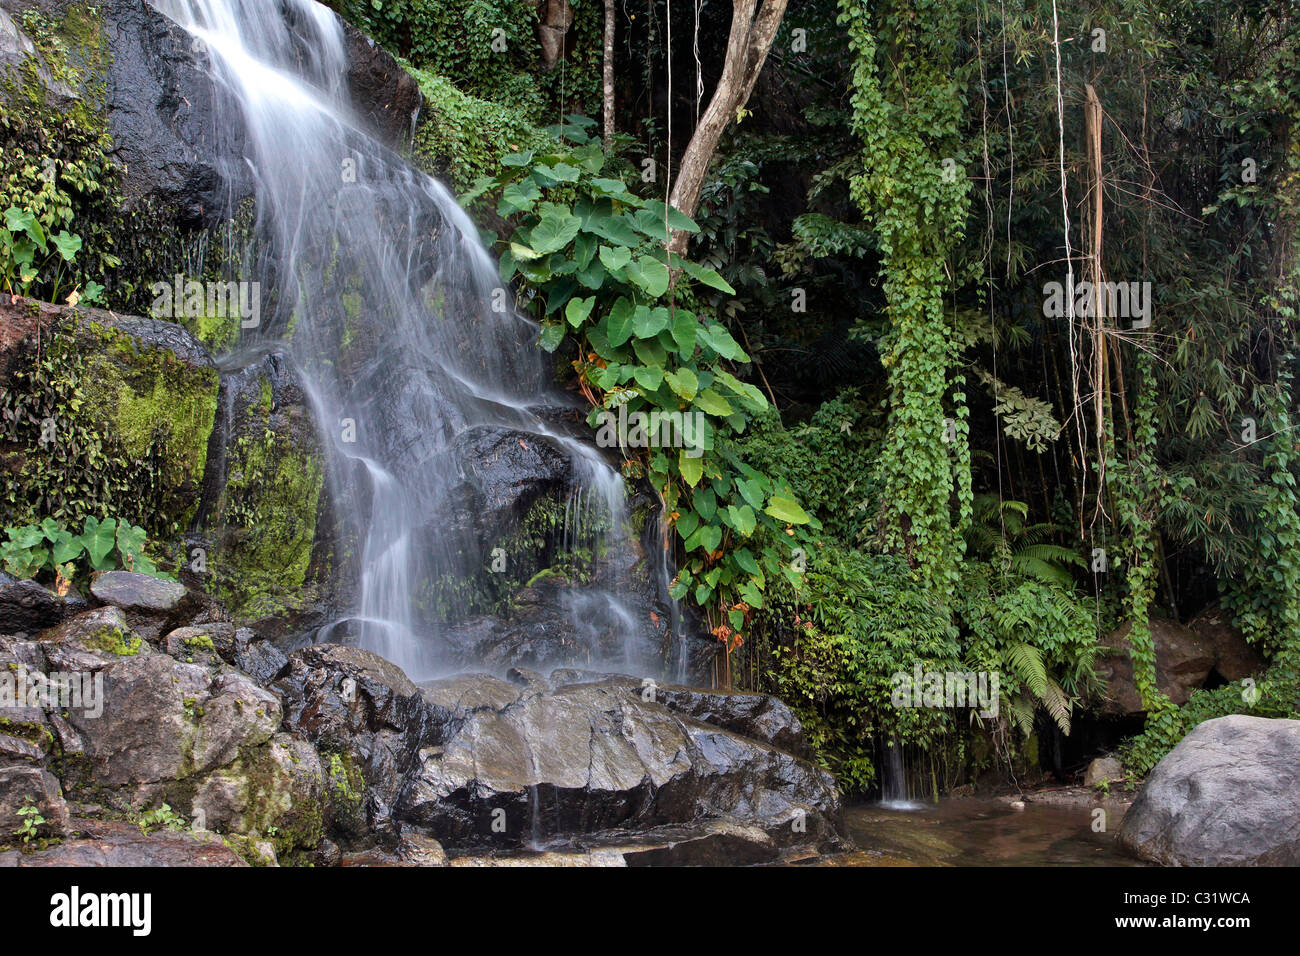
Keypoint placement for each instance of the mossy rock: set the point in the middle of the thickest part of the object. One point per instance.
(266, 515)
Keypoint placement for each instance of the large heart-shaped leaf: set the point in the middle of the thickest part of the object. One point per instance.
(650, 275)
(99, 538)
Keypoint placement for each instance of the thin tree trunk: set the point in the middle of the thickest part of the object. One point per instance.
(747, 48)
(607, 79)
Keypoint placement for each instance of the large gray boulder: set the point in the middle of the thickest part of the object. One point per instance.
(483, 764)
(1227, 795)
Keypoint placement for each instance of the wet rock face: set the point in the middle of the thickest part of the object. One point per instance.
(1227, 795)
(386, 96)
(166, 118)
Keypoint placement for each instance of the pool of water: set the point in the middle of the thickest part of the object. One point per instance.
(981, 832)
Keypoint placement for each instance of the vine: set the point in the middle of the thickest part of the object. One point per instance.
(907, 111)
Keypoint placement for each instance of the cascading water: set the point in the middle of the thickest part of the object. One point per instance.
(383, 297)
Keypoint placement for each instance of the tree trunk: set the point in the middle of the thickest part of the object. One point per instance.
(747, 48)
(607, 79)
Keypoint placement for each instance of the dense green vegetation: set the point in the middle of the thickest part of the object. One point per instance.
(994, 479)
(921, 448)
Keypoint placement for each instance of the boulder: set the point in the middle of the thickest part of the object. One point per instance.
(518, 766)
(261, 502)
(28, 608)
(1103, 770)
(1183, 662)
(385, 95)
(276, 789)
(480, 763)
(1227, 795)
(139, 592)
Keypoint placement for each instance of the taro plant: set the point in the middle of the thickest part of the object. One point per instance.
(105, 545)
(27, 253)
(589, 257)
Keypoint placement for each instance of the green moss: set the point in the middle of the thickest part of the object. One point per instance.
(199, 642)
(269, 508)
(154, 408)
(112, 640)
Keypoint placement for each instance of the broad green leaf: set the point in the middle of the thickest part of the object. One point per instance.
(683, 382)
(553, 232)
(706, 536)
(615, 258)
(67, 244)
(707, 276)
(714, 404)
(687, 523)
(523, 253)
(684, 328)
(66, 547)
(742, 519)
(579, 310)
(649, 377)
(552, 336)
(692, 469)
(647, 323)
(783, 509)
(650, 275)
(99, 538)
(714, 336)
(679, 221)
(619, 327)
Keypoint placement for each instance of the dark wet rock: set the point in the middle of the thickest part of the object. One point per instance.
(18, 54)
(1227, 795)
(519, 765)
(260, 660)
(89, 641)
(25, 785)
(1183, 662)
(170, 125)
(139, 592)
(203, 643)
(26, 608)
(367, 716)
(481, 763)
(507, 471)
(384, 94)
(162, 719)
(757, 716)
(123, 844)
(261, 500)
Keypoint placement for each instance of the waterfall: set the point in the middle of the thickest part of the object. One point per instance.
(383, 296)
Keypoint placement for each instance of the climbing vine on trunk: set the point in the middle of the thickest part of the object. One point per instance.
(907, 106)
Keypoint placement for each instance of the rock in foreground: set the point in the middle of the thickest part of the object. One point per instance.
(1227, 795)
